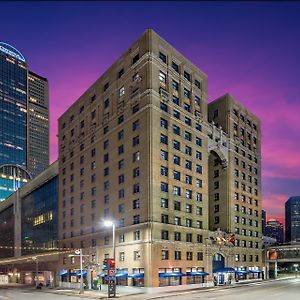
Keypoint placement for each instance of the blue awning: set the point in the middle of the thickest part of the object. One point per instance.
(255, 271)
(224, 270)
(121, 275)
(83, 273)
(171, 274)
(196, 274)
(241, 272)
(136, 275)
(68, 274)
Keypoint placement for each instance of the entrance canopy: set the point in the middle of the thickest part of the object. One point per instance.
(224, 270)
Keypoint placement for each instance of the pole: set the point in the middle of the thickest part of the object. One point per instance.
(36, 272)
(114, 241)
(81, 273)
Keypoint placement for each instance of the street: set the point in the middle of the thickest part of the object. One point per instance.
(275, 290)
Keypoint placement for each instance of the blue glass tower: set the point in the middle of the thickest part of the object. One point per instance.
(13, 120)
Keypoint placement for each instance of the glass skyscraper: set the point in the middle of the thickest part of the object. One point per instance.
(13, 120)
(18, 138)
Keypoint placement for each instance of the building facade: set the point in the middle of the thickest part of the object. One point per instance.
(235, 188)
(292, 219)
(38, 124)
(135, 148)
(274, 229)
(29, 228)
(21, 122)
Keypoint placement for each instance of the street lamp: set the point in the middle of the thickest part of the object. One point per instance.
(112, 279)
(296, 269)
(109, 223)
(36, 270)
(78, 252)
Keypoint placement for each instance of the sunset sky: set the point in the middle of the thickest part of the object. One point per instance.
(251, 50)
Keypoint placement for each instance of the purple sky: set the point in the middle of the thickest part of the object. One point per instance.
(251, 50)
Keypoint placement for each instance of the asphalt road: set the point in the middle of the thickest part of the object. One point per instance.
(274, 290)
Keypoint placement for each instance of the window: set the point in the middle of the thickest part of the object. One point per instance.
(162, 77)
(135, 141)
(164, 235)
(188, 164)
(163, 155)
(188, 150)
(163, 139)
(120, 119)
(199, 183)
(164, 187)
(188, 194)
(136, 219)
(199, 255)
(176, 130)
(163, 107)
(176, 190)
(121, 135)
(176, 145)
(176, 160)
(121, 164)
(136, 235)
(189, 255)
(135, 125)
(163, 123)
(106, 86)
(177, 255)
(121, 178)
(198, 141)
(136, 204)
(176, 175)
(121, 208)
(121, 149)
(197, 100)
(164, 203)
(136, 188)
(177, 205)
(187, 76)
(136, 172)
(175, 67)
(136, 156)
(163, 57)
(197, 84)
(165, 219)
(177, 236)
(188, 223)
(188, 136)
(176, 114)
(135, 59)
(175, 85)
(188, 208)
(106, 103)
(164, 254)
(199, 169)
(121, 72)
(188, 179)
(136, 255)
(177, 221)
(198, 155)
(122, 256)
(186, 93)
(121, 91)
(175, 101)
(187, 107)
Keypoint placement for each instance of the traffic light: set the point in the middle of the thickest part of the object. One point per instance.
(105, 264)
(111, 263)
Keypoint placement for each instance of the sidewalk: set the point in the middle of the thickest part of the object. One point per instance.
(133, 293)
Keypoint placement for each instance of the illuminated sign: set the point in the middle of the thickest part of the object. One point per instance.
(11, 51)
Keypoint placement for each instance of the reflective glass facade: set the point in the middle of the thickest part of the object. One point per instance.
(39, 217)
(13, 113)
(7, 227)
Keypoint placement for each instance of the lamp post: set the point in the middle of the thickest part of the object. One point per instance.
(112, 279)
(109, 223)
(36, 270)
(78, 252)
(296, 269)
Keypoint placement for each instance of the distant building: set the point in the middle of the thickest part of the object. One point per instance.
(263, 220)
(274, 229)
(292, 219)
(24, 145)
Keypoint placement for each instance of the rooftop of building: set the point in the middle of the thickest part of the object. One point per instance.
(293, 199)
(150, 33)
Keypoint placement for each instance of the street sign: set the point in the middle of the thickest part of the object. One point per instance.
(111, 272)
